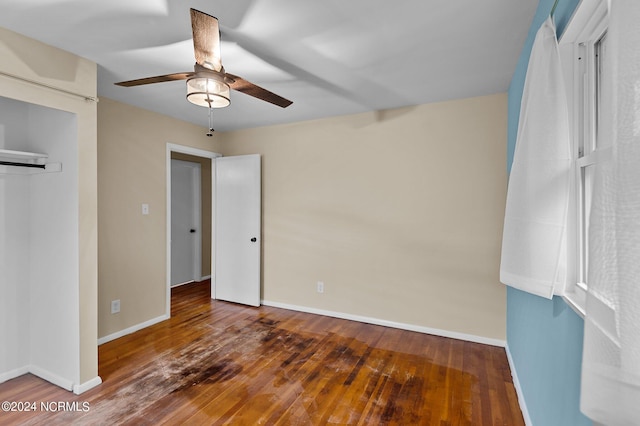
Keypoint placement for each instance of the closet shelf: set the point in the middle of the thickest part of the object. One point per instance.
(22, 156)
(21, 162)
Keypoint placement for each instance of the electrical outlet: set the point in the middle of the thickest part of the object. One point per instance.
(115, 306)
(145, 209)
(320, 287)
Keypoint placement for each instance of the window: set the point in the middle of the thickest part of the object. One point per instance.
(583, 47)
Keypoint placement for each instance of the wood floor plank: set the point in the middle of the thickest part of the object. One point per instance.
(221, 363)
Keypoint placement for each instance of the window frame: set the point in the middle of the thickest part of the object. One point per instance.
(577, 47)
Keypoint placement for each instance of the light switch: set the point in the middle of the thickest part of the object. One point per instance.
(145, 209)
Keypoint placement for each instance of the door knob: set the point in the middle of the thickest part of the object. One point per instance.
(254, 239)
(192, 231)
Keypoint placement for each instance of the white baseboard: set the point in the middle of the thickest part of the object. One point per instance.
(89, 384)
(392, 324)
(199, 280)
(132, 329)
(16, 372)
(51, 377)
(516, 384)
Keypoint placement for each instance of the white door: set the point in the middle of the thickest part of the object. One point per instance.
(185, 222)
(237, 224)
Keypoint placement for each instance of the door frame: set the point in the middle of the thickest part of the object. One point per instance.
(171, 147)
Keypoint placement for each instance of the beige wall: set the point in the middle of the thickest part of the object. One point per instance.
(46, 65)
(399, 213)
(205, 202)
(132, 248)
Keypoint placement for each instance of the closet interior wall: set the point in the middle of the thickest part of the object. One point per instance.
(39, 249)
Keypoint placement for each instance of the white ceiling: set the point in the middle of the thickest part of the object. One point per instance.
(329, 57)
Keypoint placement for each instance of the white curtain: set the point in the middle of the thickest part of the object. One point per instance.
(611, 356)
(534, 239)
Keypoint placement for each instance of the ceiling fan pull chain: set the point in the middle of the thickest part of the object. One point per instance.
(210, 132)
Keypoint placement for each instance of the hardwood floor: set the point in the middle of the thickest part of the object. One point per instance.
(220, 363)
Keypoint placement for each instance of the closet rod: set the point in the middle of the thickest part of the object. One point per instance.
(11, 163)
(47, 86)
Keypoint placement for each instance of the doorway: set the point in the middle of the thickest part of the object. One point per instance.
(235, 245)
(202, 239)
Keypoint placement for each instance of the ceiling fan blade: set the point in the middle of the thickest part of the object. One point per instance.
(156, 79)
(206, 40)
(242, 85)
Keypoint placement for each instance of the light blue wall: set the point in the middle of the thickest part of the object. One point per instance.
(545, 341)
(544, 336)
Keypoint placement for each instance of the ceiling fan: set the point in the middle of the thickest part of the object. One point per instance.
(208, 85)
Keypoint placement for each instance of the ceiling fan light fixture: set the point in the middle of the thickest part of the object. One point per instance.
(210, 91)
